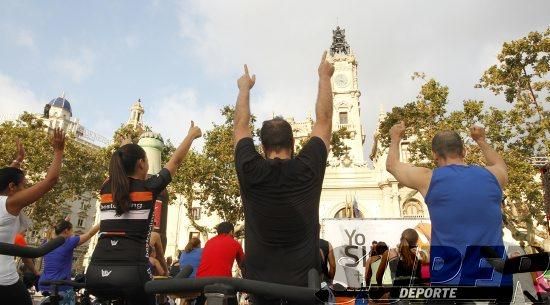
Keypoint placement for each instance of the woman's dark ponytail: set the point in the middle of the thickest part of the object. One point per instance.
(123, 163)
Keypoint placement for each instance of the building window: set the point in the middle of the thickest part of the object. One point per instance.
(413, 209)
(196, 213)
(194, 235)
(347, 212)
(80, 222)
(405, 154)
(343, 117)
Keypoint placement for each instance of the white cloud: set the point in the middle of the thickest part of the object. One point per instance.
(16, 98)
(25, 38)
(175, 111)
(282, 43)
(132, 41)
(76, 67)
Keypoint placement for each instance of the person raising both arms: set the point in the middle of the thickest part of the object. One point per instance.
(464, 205)
(14, 196)
(119, 265)
(280, 192)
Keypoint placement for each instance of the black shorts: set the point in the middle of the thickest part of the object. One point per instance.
(15, 294)
(107, 281)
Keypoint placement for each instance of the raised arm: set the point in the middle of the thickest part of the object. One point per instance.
(323, 107)
(382, 267)
(495, 163)
(25, 197)
(182, 150)
(241, 124)
(411, 176)
(20, 155)
(331, 262)
(86, 236)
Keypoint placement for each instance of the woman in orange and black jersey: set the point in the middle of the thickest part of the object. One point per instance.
(119, 266)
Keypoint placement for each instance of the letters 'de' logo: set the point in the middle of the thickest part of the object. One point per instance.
(105, 273)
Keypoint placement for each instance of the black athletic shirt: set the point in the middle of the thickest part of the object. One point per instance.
(281, 208)
(125, 238)
(324, 246)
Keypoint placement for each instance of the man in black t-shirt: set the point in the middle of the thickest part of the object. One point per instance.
(280, 192)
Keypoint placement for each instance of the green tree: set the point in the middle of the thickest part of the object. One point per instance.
(521, 75)
(209, 176)
(338, 147)
(81, 174)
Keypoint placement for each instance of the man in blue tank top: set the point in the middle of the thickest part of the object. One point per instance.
(464, 204)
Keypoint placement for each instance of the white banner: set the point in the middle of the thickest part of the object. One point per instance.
(352, 238)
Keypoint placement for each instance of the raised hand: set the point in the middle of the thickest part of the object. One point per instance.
(126, 140)
(194, 131)
(58, 140)
(326, 68)
(245, 82)
(477, 133)
(397, 131)
(20, 152)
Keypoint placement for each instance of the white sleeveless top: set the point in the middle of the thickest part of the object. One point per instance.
(9, 225)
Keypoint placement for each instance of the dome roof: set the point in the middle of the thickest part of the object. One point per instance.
(61, 102)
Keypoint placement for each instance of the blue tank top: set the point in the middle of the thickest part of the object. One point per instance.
(465, 212)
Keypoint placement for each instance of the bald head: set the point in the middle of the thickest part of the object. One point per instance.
(448, 144)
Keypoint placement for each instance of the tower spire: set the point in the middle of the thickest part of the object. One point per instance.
(136, 114)
(339, 43)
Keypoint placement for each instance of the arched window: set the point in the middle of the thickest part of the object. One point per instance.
(413, 209)
(348, 213)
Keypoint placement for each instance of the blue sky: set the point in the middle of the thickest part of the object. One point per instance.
(182, 58)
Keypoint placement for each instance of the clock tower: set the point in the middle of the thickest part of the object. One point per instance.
(345, 91)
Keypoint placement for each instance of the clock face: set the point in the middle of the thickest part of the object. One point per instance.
(341, 80)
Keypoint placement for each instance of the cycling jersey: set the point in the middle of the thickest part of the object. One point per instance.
(125, 238)
(119, 264)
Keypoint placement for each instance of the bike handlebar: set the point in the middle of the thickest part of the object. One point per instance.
(63, 283)
(291, 293)
(31, 252)
(265, 289)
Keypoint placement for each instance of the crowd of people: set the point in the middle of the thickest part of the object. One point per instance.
(280, 192)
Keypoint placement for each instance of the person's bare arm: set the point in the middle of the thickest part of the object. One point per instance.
(382, 267)
(30, 265)
(368, 272)
(20, 155)
(323, 107)
(19, 200)
(157, 266)
(411, 176)
(331, 262)
(241, 124)
(495, 163)
(86, 236)
(182, 150)
(157, 243)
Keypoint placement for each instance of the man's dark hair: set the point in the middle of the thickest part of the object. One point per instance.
(225, 228)
(276, 134)
(448, 144)
(62, 225)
